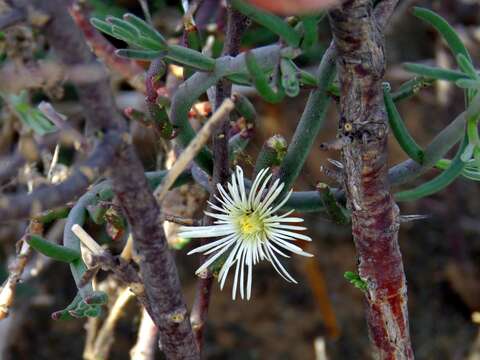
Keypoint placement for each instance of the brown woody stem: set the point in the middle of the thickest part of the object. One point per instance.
(375, 216)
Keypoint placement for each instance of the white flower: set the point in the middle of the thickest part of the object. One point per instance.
(248, 229)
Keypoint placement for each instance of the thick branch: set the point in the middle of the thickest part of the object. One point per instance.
(159, 273)
(162, 285)
(375, 216)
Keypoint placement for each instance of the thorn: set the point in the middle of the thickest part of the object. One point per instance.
(336, 144)
(409, 218)
(336, 163)
(335, 174)
(56, 315)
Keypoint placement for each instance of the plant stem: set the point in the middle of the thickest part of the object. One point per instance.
(375, 216)
(236, 24)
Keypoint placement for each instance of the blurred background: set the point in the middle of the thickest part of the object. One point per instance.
(323, 314)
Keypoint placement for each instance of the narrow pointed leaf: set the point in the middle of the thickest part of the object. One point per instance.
(443, 27)
(270, 21)
(145, 28)
(124, 25)
(435, 72)
(400, 131)
(189, 57)
(411, 88)
(261, 82)
(102, 26)
(54, 251)
(139, 54)
(468, 84)
(467, 66)
(438, 183)
(289, 77)
(121, 34)
(468, 153)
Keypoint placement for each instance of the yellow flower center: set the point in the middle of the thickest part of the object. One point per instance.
(250, 224)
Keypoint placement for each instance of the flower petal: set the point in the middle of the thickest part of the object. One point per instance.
(217, 216)
(291, 247)
(241, 186)
(210, 261)
(205, 231)
(281, 219)
(272, 194)
(217, 208)
(239, 257)
(222, 276)
(279, 205)
(250, 266)
(287, 227)
(292, 234)
(278, 266)
(259, 193)
(255, 185)
(212, 244)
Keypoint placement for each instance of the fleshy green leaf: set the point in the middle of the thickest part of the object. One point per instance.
(260, 80)
(435, 72)
(30, 116)
(400, 131)
(289, 77)
(270, 21)
(145, 28)
(54, 251)
(139, 54)
(443, 27)
(355, 280)
(102, 26)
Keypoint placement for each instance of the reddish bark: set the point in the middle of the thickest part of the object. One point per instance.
(375, 216)
(105, 51)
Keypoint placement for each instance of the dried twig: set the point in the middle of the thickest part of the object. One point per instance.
(105, 335)
(7, 292)
(91, 328)
(99, 257)
(320, 349)
(180, 220)
(144, 348)
(87, 240)
(59, 120)
(146, 10)
(193, 148)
